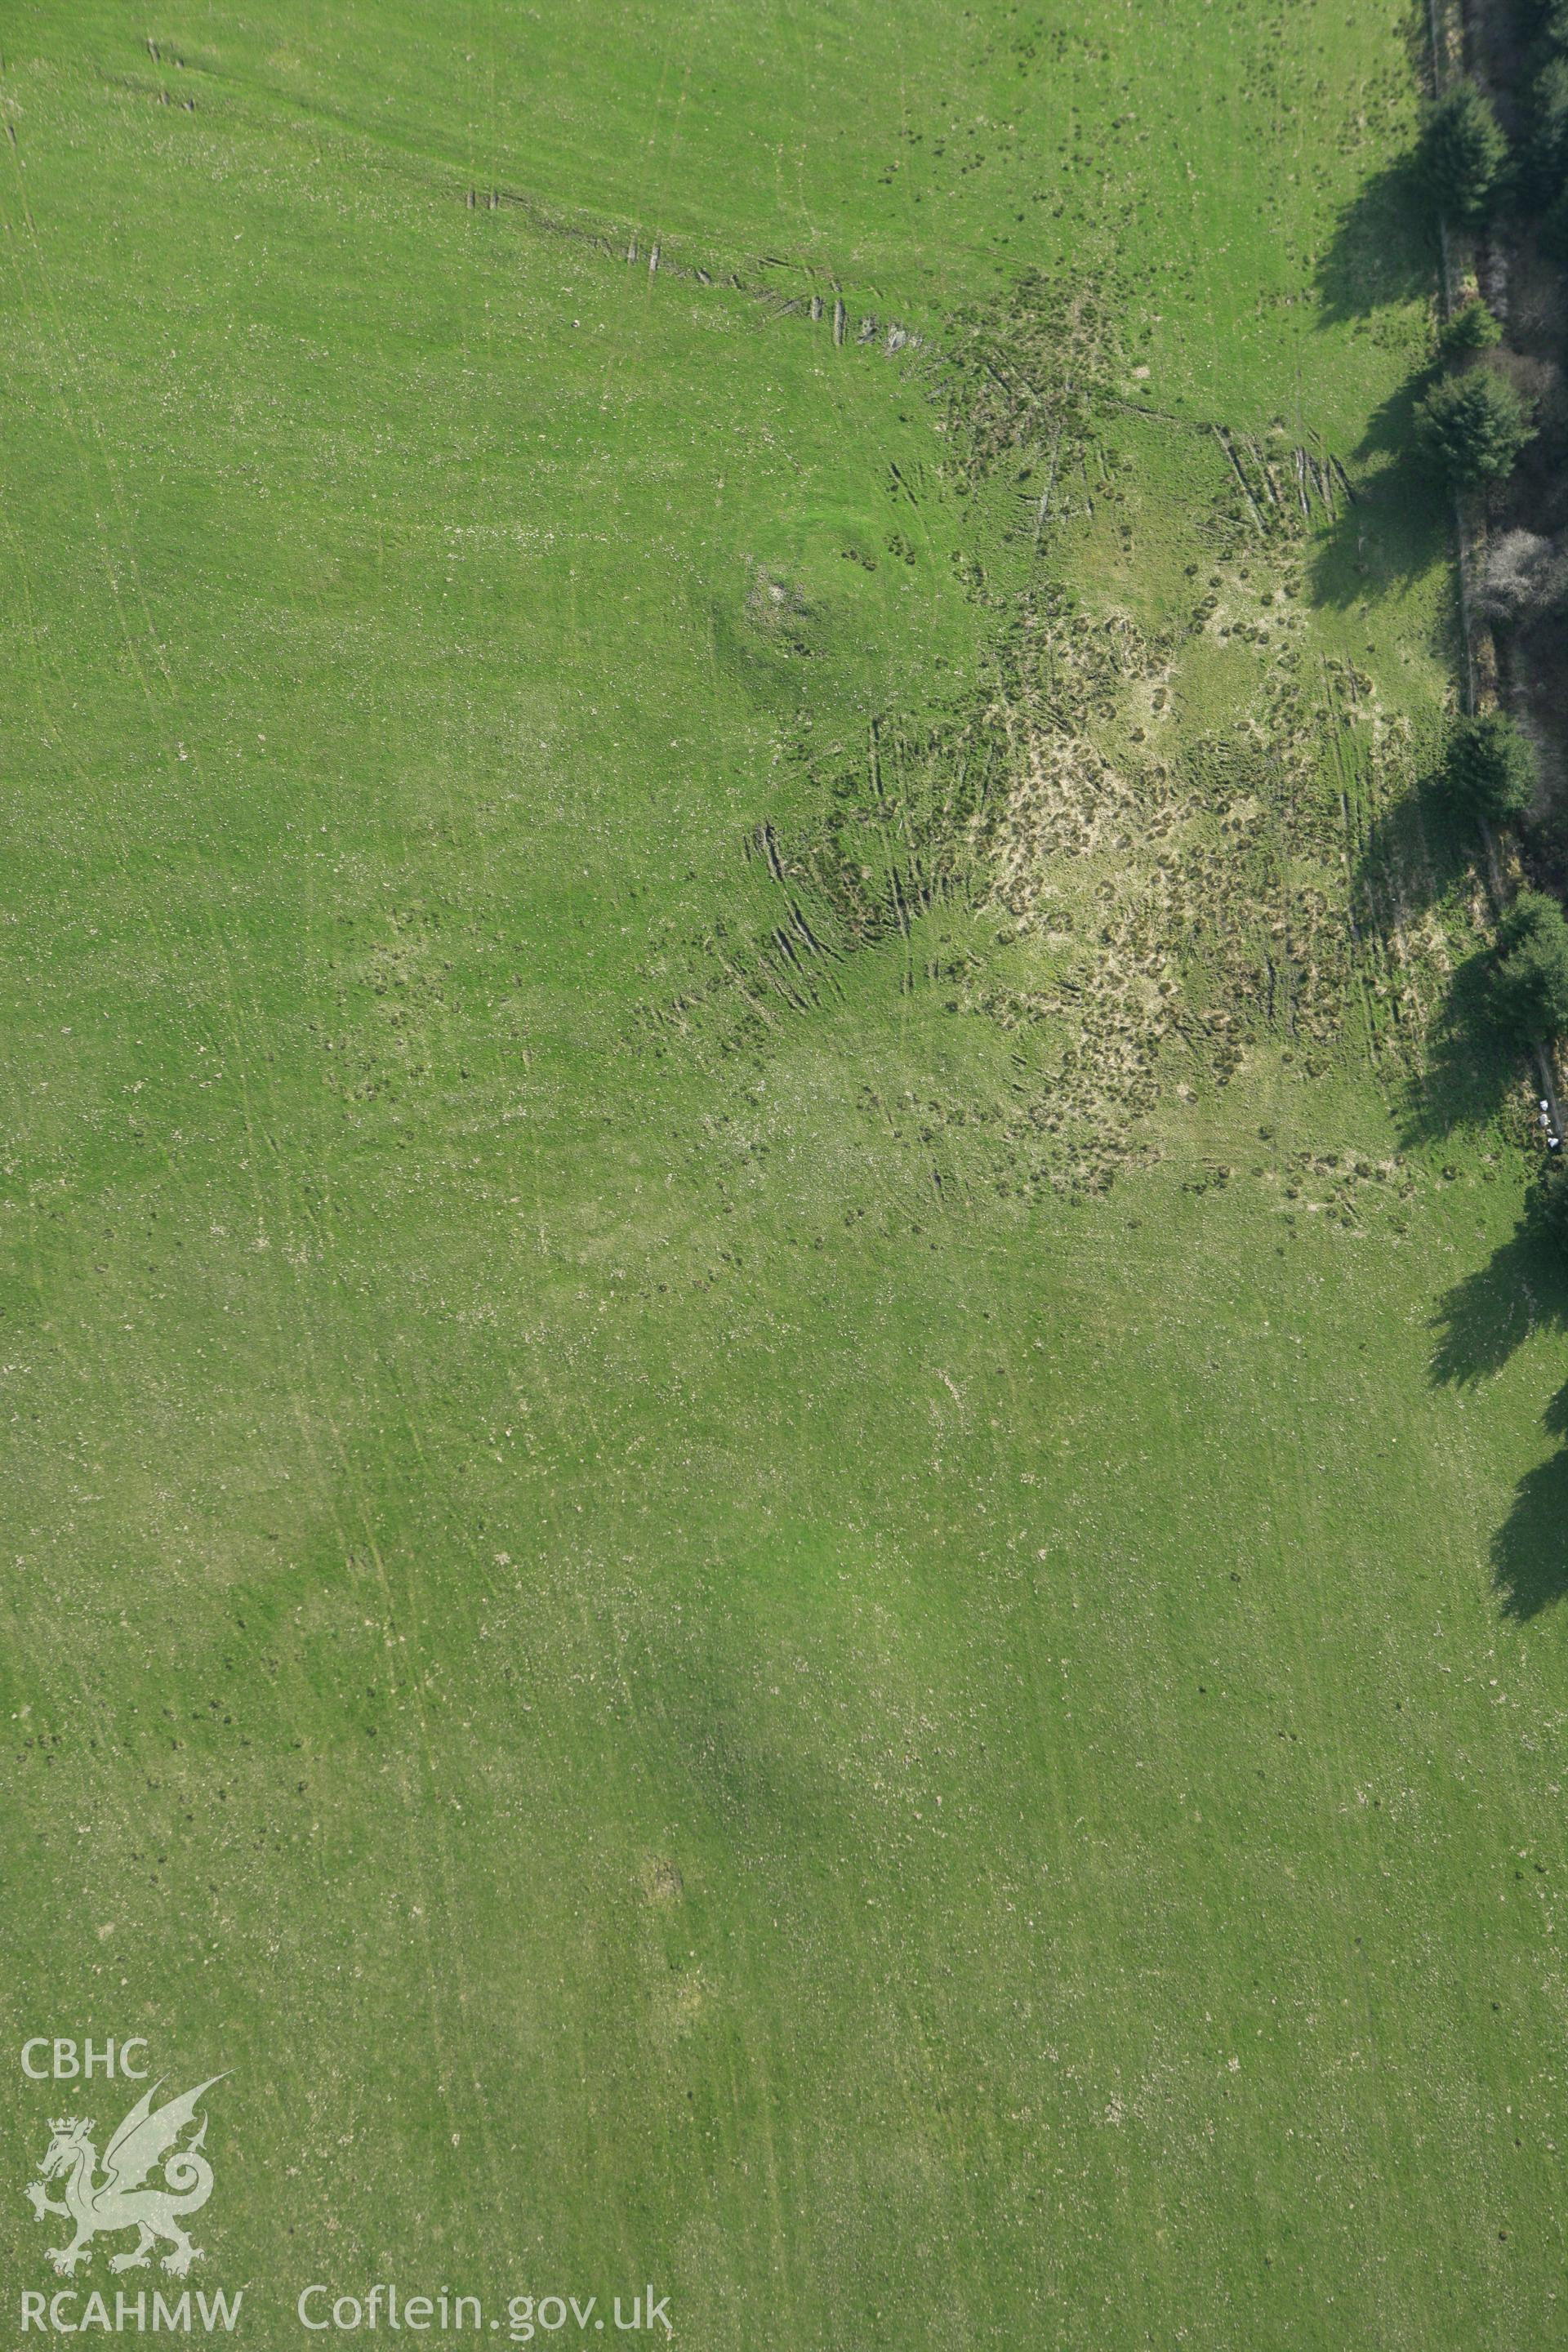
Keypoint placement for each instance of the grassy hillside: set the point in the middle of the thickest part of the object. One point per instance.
(783, 1487)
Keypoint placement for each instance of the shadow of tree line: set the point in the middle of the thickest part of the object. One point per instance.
(1385, 254)
(1471, 1069)
(1420, 854)
(1528, 1565)
(1385, 249)
(1523, 1289)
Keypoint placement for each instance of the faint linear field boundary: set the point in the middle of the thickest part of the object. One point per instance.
(819, 299)
(852, 319)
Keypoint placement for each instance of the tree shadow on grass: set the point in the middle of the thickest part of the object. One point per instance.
(1530, 1550)
(1397, 525)
(1472, 1067)
(1521, 1289)
(1416, 852)
(1383, 249)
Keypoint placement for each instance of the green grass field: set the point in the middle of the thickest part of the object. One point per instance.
(783, 1499)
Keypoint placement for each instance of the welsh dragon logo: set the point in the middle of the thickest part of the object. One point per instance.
(120, 2199)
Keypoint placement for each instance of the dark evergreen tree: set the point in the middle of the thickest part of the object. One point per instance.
(1472, 426)
(1530, 982)
(1473, 329)
(1463, 154)
(1491, 767)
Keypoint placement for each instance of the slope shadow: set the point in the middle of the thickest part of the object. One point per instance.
(1383, 249)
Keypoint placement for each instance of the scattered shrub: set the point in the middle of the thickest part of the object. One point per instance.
(1463, 154)
(1491, 767)
(1530, 981)
(1473, 329)
(1472, 426)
